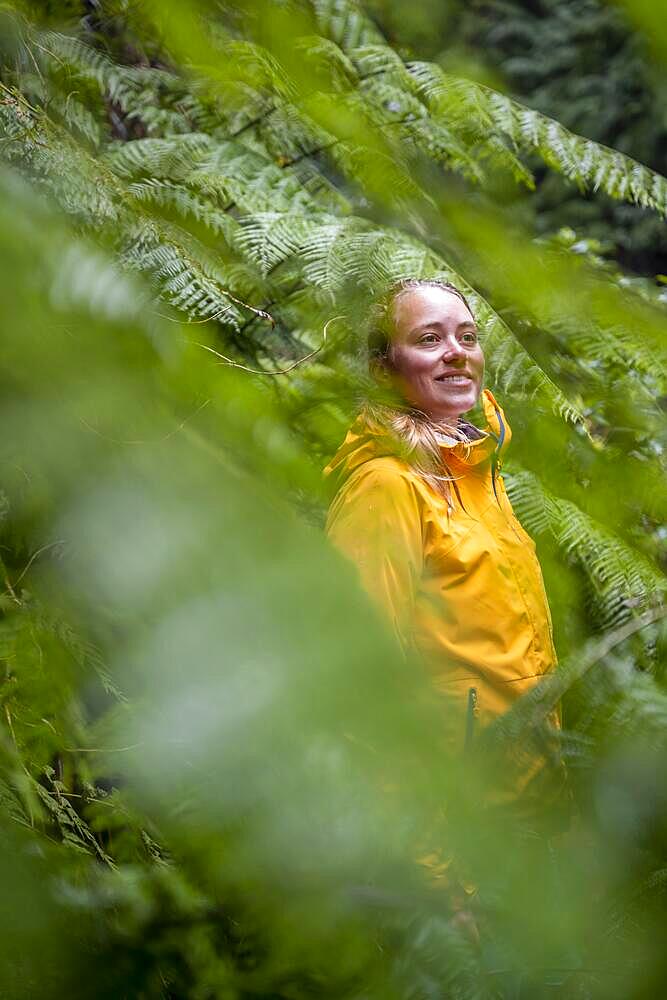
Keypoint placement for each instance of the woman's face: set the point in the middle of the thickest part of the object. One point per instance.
(437, 362)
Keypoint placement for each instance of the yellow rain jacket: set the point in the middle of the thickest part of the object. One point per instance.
(462, 588)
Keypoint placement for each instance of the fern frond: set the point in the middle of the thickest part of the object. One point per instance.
(75, 833)
(329, 61)
(287, 135)
(490, 120)
(589, 164)
(166, 195)
(162, 101)
(381, 61)
(57, 163)
(495, 151)
(346, 24)
(270, 238)
(622, 579)
(225, 174)
(185, 280)
(616, 346)
(399, 115)
(256, 67)
(68, 109)
(453, 139)
(173, 158)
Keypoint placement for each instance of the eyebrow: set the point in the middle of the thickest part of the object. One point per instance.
(427, 326)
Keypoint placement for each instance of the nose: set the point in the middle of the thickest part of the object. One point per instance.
(452, 350)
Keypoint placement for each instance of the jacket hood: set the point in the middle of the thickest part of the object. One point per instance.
(366, 440)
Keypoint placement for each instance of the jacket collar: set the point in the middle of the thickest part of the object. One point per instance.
(365, 441)
(493, 443)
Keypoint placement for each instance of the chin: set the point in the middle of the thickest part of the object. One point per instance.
(451, 412)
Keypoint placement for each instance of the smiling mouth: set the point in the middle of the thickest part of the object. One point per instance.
(454, 379)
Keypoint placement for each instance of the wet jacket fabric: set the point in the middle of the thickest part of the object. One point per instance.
(462, 587)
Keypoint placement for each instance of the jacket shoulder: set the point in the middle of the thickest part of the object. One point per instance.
(385, 478)
(384, 470)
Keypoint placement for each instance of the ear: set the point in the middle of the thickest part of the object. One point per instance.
(379, 369)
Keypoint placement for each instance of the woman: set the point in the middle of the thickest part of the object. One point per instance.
(421, 509)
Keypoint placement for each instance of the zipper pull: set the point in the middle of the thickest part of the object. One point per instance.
(472, 713)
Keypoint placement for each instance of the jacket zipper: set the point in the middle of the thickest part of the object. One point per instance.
(495, 461)
(471, 715)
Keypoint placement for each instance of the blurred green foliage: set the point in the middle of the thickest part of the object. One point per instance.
(220, 778)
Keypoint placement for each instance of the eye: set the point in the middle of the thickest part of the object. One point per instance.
(469, 337)
(428, 338)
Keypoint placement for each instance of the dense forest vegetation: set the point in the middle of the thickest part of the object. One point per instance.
(219, 775)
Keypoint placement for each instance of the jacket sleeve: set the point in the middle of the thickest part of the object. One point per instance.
(375, 520)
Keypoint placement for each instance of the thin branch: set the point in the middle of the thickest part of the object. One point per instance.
(44, 548)
(278, 371)
(220, 313)
(133, 746)
(17, 97)
(166, 437)
(307, 153)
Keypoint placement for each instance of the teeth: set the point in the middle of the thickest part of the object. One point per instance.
(457, 379)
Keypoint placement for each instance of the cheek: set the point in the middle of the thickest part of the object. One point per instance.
(411, 365)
